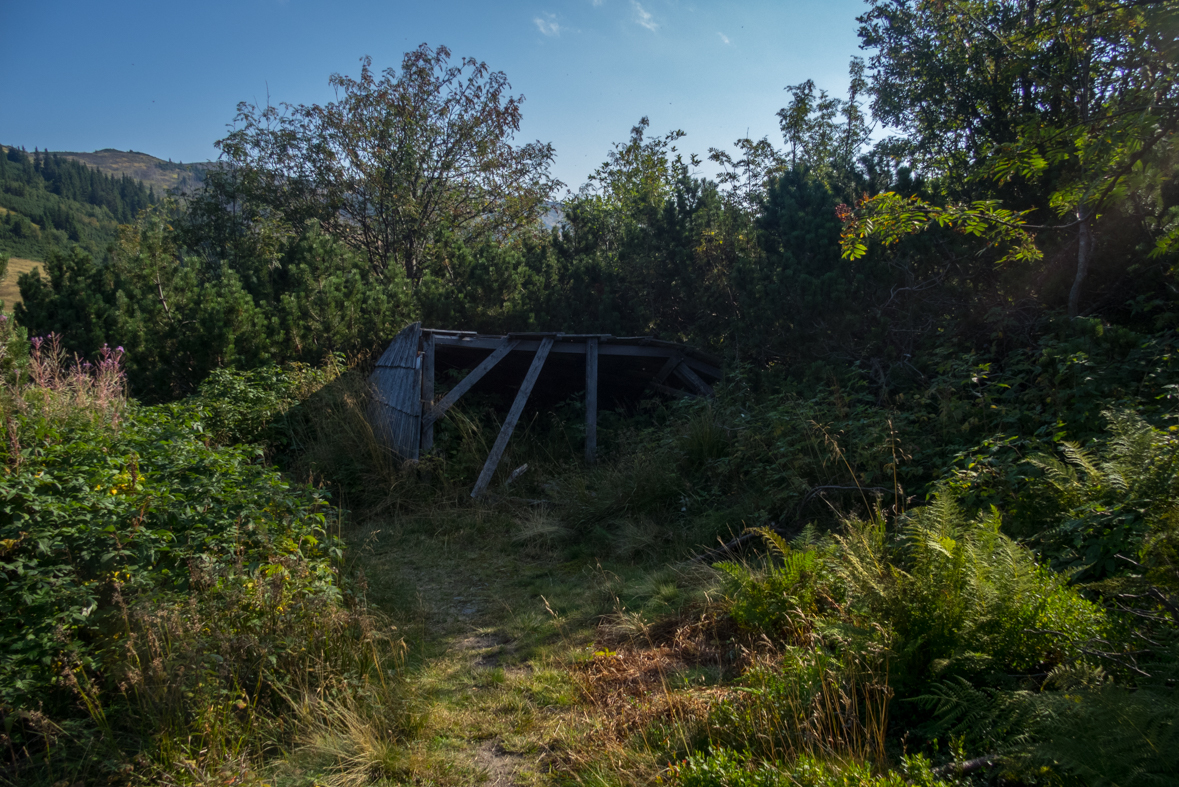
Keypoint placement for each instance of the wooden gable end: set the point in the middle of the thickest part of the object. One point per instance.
(396, 407)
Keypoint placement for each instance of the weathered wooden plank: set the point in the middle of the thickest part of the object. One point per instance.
(483, 342)
(392, 388)
(427, 389)
(403, 350)
(703, 368)
(505, 432)
(591, 399)
(561, 347)
(504, 347)
(395, 410)
(693, 380)
(571, 348)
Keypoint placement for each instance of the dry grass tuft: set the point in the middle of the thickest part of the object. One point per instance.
(358, 743)
(646, 686)
(539, 532)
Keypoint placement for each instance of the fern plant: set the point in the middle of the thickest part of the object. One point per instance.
(1096, 731)
(783, 595)
(961, 597)
(1095, 504)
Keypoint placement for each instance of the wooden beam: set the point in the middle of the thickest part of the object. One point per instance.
(668, 368)
(566, 347)
(693, 380)
(505, 432)
(704, 368)
(427, 388)
(395, 409)
(591, 399)
(437, 411)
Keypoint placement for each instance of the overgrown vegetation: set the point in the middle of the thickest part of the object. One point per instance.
(925, 533)
(48, 201)
(178, 600)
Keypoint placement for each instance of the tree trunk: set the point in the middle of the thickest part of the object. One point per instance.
(1084, 252)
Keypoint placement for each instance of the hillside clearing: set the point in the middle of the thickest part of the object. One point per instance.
(9, 291)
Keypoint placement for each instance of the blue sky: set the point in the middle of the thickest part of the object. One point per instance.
(165, 77)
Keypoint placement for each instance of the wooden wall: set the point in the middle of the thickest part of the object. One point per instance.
(396, 408)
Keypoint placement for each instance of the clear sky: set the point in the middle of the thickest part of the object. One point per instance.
(165, 77)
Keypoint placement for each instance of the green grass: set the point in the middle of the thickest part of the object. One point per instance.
(500, 630)
(9, 291)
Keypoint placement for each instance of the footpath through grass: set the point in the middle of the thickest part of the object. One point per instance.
(503, 638)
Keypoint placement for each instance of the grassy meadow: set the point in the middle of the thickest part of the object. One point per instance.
(163, 176)
(9, 291)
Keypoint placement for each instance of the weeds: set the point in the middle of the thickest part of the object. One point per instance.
(163, 596)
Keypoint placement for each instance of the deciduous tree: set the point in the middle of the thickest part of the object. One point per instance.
(396, 159)
(1050, 104)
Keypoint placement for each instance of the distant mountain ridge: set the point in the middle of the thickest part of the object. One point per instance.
(50, 200)
(163, 176)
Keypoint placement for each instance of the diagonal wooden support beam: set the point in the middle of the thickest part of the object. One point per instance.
(693, 380)
(672, 362)
(437, 411)
(505, 432)
(667, 389)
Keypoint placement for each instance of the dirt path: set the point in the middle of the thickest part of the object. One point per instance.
(487, 649)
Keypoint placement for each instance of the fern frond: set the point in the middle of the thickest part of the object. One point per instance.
(774, 541)
(1079, 457)
(1060, 475)
(1080, 675)
(996, 719)
(1110, 735)
(808, 537)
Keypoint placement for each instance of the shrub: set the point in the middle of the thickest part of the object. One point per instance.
(1097, 503)
(961, 597)
(163, 598)
(242, 406)
(781, 598)
(724, 768)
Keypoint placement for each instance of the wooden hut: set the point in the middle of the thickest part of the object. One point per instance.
(544, 366)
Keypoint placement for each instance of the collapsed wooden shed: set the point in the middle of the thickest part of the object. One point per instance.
(549, 367)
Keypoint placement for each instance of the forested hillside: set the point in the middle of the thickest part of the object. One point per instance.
(926, 532)
(161, 176)
(50, 201)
